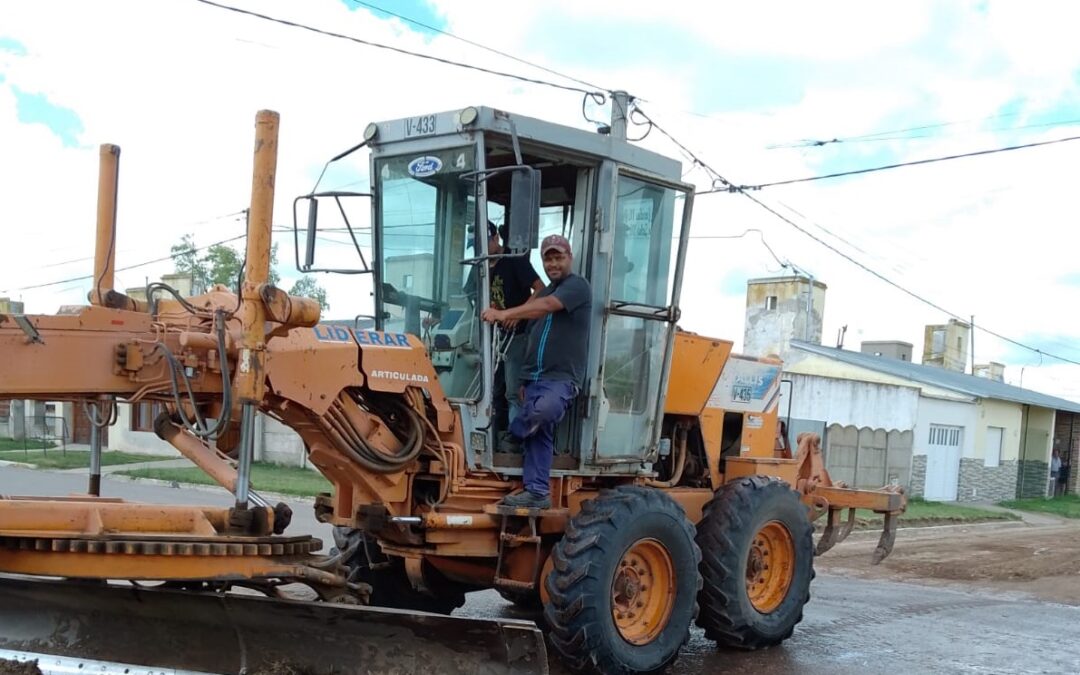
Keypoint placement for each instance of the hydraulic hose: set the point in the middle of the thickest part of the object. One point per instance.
(348, 439)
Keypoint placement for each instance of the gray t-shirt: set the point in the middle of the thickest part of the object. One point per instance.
(558, 344)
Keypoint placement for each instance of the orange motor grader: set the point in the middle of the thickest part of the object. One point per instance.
(675, 496)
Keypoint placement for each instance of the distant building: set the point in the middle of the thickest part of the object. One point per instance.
(941, 433)
(889, 349)
(991, 371)
(971, 438)
(779, 309)
(9, 306)
(947, 345)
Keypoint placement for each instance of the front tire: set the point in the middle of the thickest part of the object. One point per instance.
(624, 584)
(757, 563)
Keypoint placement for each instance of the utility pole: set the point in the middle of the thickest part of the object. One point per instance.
(971, 343)
(620, 114)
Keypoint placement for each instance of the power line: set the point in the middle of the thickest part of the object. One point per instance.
(195, 224)
(727, 187)
(995, 130)
(123, 269)
(897, 286)
(720, 180)
(399, 50)
(467, 41)
(875, 135)
(760, 234)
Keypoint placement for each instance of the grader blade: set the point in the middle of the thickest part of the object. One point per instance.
(131, 627)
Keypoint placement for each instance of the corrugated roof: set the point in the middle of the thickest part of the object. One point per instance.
(979, 387)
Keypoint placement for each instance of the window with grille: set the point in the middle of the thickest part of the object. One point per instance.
(943, 435)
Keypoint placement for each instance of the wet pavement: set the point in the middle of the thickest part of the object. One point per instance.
(850, 626)
(854, 626)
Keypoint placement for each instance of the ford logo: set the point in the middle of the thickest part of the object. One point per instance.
(422, 167)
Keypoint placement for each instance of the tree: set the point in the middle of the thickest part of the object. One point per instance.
(186, 260)
(307, 287)
(221, 264)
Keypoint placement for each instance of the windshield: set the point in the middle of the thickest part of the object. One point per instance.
(425, 221)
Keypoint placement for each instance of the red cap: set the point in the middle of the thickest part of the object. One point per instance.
(555, 242)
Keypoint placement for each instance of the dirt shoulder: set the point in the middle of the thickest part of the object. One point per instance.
(1038, 560)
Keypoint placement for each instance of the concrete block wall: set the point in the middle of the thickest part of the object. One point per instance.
(1033, 479)
(279, 444)
(917, 487)
(979, 482)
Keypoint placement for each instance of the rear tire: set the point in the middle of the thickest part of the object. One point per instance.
(390, 585)
(757, 563)
(623, 589)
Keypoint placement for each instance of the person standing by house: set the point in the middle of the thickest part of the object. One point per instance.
(553, 370)
(1055, 471)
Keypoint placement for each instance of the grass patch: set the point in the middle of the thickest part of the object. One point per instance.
(1066, 506)
(921, 513)
(287, 480)
(72, 459)
(31, 443)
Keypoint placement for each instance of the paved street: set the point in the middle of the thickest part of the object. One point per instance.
(851, 625)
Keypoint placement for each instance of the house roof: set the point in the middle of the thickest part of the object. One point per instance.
(979, 387)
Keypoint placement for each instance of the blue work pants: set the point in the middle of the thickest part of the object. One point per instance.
(545, 404)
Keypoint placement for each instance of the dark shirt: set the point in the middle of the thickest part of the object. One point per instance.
(511, 284)
(558, 344)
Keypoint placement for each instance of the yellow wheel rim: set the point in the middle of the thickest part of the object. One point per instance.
(769, 566)
(643, 592)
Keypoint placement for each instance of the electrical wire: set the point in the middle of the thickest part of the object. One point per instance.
(760, 234)
(903, 135)
(887, 167)
(399, 50)
(475, 44)
(124, 269)
(897, 286)
(727, 186)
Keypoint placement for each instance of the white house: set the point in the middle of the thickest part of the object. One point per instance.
(971, 438)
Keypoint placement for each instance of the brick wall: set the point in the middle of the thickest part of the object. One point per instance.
(1032, 479)
(979, 482)
(917, 487)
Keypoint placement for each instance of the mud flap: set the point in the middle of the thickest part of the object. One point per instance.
(231, 633)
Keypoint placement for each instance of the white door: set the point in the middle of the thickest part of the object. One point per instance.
(994, 438)
(943, 463)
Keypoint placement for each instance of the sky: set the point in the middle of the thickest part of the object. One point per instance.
(761, 92)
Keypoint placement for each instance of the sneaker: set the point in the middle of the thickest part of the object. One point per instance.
(508, 442)
(527, 500)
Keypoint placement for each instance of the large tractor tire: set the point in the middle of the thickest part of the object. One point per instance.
(390, 585)
(757, 563)
(624, 585)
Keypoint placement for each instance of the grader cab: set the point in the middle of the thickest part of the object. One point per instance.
(674, 488)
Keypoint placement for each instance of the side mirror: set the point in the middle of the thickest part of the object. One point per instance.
(339, 217)
(309, 242)
(524, 221)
